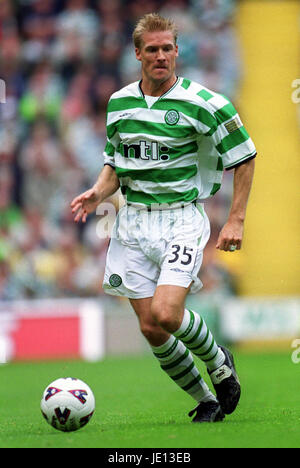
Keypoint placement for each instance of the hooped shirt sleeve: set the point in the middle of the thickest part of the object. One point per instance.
(109, 154)
(113, 139)
(229, 135)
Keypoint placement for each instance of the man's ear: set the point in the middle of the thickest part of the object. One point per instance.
(138, 54)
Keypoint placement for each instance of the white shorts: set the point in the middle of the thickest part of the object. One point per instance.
(152, 248)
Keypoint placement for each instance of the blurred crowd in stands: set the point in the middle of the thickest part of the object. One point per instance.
(61, 61)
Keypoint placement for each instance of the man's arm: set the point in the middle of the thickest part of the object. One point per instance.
(232, 232)
(86, 203)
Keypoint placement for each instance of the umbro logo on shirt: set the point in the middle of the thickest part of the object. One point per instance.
(125, 114)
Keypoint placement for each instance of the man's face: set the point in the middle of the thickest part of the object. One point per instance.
(158, 55)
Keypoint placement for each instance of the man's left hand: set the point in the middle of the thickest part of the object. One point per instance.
(230, 237)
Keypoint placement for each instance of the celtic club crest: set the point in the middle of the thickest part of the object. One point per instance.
(172, 117)
(115, 280)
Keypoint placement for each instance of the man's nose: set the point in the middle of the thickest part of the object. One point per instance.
(160, 55)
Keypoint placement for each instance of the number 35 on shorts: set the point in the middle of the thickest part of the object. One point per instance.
(181, 256)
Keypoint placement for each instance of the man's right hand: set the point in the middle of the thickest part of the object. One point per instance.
(85, 204)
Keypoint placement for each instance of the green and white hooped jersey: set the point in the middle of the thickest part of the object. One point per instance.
(176, 150)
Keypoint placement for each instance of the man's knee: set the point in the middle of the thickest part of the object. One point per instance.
(167, 306)
(153, 333)
(166, 315)
(147, 330)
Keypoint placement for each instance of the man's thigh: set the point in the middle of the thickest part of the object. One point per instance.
(168, 305)
(167, 299)
(165, 296)
(170, 296)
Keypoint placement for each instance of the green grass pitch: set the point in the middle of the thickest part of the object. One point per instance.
(138, 406)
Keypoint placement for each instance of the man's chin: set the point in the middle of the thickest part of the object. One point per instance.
(161, 74)
(161, 71)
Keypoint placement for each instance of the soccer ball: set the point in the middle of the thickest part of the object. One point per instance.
(67, 404)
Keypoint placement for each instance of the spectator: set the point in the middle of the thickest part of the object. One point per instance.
(42, 96)
(41, 165)
(86, 140)
(38, 29)
(12, 74)
(218, 52)
(78, 28)
(8, 22)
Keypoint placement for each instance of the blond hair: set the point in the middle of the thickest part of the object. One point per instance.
(152, 22)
